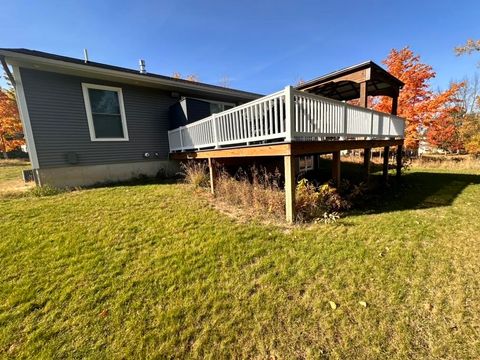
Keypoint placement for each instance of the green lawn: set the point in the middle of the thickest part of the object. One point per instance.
(153, 271)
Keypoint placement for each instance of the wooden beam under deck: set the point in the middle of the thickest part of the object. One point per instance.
(283, 149)
(317, 147)
(280, 149)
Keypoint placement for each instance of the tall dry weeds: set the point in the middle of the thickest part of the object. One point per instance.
(257, 191)
(195, 173)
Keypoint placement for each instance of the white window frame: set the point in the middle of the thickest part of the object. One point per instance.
(306, 167)
(88, 109)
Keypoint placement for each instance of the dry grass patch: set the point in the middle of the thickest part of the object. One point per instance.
(458, 162)
(11, 180)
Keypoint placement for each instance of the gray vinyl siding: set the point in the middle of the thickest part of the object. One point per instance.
(59, 121)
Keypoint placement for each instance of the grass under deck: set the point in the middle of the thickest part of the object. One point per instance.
(144, 271)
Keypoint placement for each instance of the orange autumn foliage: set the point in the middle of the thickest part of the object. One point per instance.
(10, 125)
(417, 103)
(445, 132)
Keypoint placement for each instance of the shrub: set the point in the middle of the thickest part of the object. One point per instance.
(320, 204)
(46, 190)
(195, 173)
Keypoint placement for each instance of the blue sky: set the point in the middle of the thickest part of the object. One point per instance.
(260, 46)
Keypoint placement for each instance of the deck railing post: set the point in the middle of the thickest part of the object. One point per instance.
(214, 128)
(181, 137)
(371, 125)
(345, 111)
(289, 113)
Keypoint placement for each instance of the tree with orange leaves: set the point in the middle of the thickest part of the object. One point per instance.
(10, 126)
(191, 77)
(417, 103)
(446, 131)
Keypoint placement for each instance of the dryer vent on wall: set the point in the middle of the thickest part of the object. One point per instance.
(72, 158)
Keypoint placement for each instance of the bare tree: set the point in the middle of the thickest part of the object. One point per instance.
(468, 48)
(470, 94)
(224, 81)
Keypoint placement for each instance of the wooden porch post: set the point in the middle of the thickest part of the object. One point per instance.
(367, 153)
(394, 105)
(363, 94)
(211, 168)
(386, 155)
(399, 160)
(336, 168)
(289, 163)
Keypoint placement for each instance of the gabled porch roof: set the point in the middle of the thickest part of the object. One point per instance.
(346, 84)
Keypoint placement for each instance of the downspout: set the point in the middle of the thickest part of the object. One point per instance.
(7, 71)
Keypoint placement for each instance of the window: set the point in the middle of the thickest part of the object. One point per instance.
(105, 112)
(216, 107)
(305, 163)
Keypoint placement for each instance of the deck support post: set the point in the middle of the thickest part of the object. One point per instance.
(367, 154)
(336, 168)
(386, 155)
(290, 183)
(211, 168)
(316, 162)
(399, 160)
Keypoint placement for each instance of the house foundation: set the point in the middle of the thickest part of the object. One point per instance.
(71, 176)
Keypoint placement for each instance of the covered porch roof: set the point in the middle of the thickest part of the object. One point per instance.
(351, 83)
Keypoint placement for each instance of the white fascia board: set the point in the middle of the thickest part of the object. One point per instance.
(25, 117)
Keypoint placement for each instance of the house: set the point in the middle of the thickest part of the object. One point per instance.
(88, 122)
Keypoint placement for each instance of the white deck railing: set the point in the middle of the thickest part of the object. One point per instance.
(288, 115)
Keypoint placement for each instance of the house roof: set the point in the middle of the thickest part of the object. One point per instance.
(53, 62)
(344, 84)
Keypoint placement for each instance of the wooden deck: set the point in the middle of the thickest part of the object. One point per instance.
(288, 124)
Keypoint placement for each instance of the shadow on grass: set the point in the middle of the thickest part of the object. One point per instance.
(421, 190)
(414, 190)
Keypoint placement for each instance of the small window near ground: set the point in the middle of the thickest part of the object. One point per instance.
(105, 112)
(305, 163)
